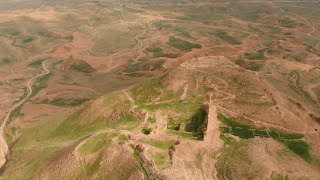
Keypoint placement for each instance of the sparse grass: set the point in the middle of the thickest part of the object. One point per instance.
(9, 139)
(257, 55)
(182, 44)
(199, 159)
(161, 160)
(152, 120)
(240, 62)
(122, 138)
(179, 31)
(294, 84)
(157, 65)
(160, 144)
(132, 67)
(94, 167)
(126, 121)
(231, 154)
(182, 134)
(172, 125)
(277, 176)
(146, 91)
(299, 56)
(287, 22)
(16, 113)
(93, 144)
(70, 128)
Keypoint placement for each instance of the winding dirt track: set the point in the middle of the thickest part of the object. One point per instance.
(4, 149)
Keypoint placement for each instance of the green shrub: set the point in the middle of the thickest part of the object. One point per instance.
(146, 130)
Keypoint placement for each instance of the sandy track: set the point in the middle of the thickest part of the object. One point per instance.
(4, 149)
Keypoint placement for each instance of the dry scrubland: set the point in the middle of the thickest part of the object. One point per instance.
(161, 89)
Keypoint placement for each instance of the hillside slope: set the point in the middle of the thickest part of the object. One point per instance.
(175, 126)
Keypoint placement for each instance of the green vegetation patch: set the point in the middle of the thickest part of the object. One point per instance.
(146, 130)
(291, 140)
(157, 51)
(225, 37)
(299, 147)
(36, 63)
(198, 123)
(69, 101)
(40, 83)
(182, 44)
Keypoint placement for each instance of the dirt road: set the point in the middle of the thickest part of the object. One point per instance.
(4, 149)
